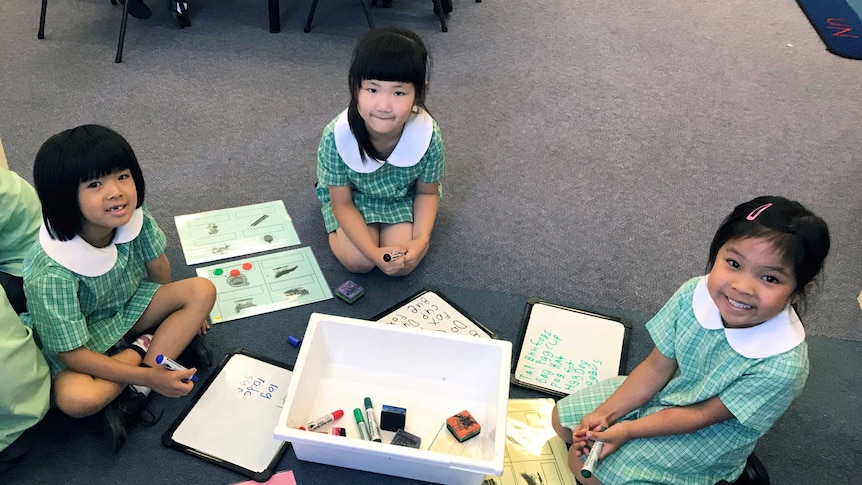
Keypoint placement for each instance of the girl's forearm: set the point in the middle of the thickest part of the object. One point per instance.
(677, 420)
(424, 214)
(86, 361)
(644, 382)
(354, 225)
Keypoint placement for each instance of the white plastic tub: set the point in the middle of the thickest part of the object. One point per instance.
(433, 375)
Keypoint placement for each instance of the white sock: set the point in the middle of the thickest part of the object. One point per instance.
(143, 343)
(141, 389)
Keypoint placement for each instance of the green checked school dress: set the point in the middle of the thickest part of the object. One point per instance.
(756, 372)
(382, 191)
(79, 295)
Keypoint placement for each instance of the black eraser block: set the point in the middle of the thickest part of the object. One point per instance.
(392, 418)
(403, 438)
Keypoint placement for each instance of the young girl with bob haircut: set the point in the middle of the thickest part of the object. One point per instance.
(729, 358)
(99, 275)
(380, 161)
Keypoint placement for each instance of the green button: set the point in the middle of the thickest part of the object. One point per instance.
(218, 271)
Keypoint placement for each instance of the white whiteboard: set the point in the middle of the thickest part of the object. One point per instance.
(428, 310)
(564, 349)
(232, 418)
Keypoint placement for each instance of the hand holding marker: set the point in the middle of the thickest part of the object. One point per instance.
(172, 365)
(389, 257)
(592, 459)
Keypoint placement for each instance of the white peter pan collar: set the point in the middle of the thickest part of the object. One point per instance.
(79, 256)
(777, 335)
(410, 148)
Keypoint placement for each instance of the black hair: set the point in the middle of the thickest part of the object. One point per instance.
(385, 54)
(70, 158)
(796, 232)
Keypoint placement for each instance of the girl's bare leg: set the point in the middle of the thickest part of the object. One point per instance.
(179, 310)
(80, 395)
(347, 253)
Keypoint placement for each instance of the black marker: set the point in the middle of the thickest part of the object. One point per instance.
(393, 255)
(259, 219)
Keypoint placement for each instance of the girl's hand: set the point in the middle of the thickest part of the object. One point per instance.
(170, 383)
(394, 267)
(416, 250)
(613, 438)
(581, 442)
(204, 327)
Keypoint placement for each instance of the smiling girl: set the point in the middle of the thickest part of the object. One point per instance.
(729, 358)
(380, 162)
(99, 276)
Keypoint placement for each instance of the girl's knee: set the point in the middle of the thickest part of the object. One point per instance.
(78, 404)
(202, 290)
(359, 265)
(355, 263)
(562, 431)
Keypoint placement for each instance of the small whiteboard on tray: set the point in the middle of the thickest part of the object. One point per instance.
(564, 349)
(230, 420)
(429, 310)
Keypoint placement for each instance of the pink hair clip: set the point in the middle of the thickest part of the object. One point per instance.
(758, 211)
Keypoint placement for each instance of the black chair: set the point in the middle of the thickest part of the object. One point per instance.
(119, 57)
(438, 7)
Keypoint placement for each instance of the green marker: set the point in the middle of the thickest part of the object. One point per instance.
(360, 424)
(592, 459)
(373, 430)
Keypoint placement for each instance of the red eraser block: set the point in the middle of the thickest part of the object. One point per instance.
(463, 426)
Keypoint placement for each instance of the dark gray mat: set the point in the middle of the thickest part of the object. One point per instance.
(74, 451)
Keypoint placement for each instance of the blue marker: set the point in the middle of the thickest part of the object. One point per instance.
(172, 365)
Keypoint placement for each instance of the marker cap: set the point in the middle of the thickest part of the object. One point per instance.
(368, 403)
(337, 413)
(357, 415)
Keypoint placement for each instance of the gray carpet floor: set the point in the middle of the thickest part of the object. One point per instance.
(592, 150)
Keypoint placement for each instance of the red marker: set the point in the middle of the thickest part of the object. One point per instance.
(322, 421)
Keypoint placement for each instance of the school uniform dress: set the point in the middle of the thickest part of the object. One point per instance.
(20, 217)
(756, 372)
(79, 295)
(383, 192)
(24, 380)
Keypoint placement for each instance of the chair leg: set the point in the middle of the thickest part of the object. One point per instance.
(274, 17)
(368, 14)
(310, 16)
(119, 57)
(438, 6)
(41, 33)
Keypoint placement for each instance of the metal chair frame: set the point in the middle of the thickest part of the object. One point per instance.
(119, 58)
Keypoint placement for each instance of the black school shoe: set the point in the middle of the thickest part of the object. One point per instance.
(754, 473)
(127, 410)
(179, 13)
(13, 453)
(197, 354)
(137, 9)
